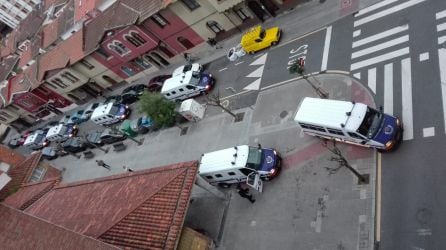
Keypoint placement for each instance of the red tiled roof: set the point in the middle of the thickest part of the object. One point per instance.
(82, 7)
(143, 209)
(9, 156)
(18, 174)
(30, 193)
(50, 33)
(22, 231)
(116, 16)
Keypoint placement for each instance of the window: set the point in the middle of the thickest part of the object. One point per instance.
(163, 47)
(185, 42)
(335, 131)
(59, 83)
(51, 85)
(70, 77)
(246, 171)
(190, 87)
(119, 48)
(173, 92)
(142, 63)
(312, 127)
(214, 26)
(181, 90)
(128, 71)
(134, 38)
(24, 11)
(218, 175)
(354, 135)
(231, 173)
(160, 20)
(37, 174)
(87, 64)
(241, 14)
(209, 177)
(103, 53)
(191, 4)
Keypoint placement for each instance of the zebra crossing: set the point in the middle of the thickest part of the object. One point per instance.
(441, 31)
(384, 52)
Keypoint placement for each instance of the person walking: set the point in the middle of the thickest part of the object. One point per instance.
(127, 169)
(244, 192)
(101, 163)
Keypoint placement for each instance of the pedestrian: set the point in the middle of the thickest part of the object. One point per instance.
(127, 169)
(244, 192)
(186, 57)
(101, 163)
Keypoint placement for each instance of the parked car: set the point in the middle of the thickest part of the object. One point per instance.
(65, 120)
(196, 67)
(107, 136)
(89, 110)
(116, 99)
(138, 89)
(258, 38)
(74, 145)
(49, 153)
(142, 125)
(155, 84)
(16, 141)
(129, 97)
(76, 117)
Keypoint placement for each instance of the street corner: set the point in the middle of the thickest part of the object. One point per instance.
(361, 93)
(303, 154)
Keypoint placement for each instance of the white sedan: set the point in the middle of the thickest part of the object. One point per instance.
(188, 67)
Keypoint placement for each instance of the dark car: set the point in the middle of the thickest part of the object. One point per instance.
(74, 145)
(155, 84)
(49, 153)
(107, 136)
(116, 99)
(131, 94)
(16, 141)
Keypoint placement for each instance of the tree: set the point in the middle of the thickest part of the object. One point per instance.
(215, 100)
(158, 108)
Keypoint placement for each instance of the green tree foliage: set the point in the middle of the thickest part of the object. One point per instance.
(161, 110)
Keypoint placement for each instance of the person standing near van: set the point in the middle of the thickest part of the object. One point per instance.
(244, 192)
(101, 163)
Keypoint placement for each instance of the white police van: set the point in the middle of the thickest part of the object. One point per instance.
(349, 122)
(61, 132)
(110, 113)
(240, 164)
(186, 85)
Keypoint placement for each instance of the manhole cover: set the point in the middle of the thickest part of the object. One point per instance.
(239, 117)
(183, 131)
(283, 114)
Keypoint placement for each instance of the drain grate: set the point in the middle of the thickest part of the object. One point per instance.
(283, 114)
(239, 117)
(183, 131)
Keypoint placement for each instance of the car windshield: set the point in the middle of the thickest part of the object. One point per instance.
(187, 67)
(254, 158)
(370, 125)
(262, 33)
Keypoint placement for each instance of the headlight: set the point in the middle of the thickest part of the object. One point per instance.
(126, 106)
(274, 151)
(272, 171)
(398, 122)
(207, 86)
(389, 144)
(122, 116)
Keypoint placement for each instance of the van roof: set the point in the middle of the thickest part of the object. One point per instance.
(101, 110)
(176, 81)
(250, 34)
(55, 130)
(31, 138)
(331, 113)
(225, 159)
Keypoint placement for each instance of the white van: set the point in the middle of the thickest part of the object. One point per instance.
(110, 113)
(239, 164)
(349, 122)
(61, 132)
(36, 140)
(186, 85)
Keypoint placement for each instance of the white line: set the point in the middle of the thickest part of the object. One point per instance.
(356, 33)
(380, 58)
(357, 75)
(441, 39)
(388, 89)
(374, 7)
(441, 27)
(386, 12)
(258, 55)
(223, 69)
(406, 96)
(371, 79)
(239, 62)
(326, 49)
(440, 14)
(380, 35)
(381, 46)
(442, 65)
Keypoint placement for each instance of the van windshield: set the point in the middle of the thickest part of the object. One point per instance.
(254, 158)
(371, 123)
(114, 110)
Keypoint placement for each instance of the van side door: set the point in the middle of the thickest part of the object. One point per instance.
(254, 181)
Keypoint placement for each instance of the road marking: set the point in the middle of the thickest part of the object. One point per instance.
(442, 65)
(239, 63)
(260, 61)
(440, 14)
(378, 200)
(441, 39)
(223, 69)
(254, 85)
(381, 58)
(388, 89)
(258, 55)
(381, 46)
(374, 7)
(406, 89)
(326, 48)
(380, 35)
(371, 79)
(357, 75)
(234, 95)
(441, 27)
(424, 56)
(363, 194)
(297, 38)
(428, 132)
(257, 73)
(386, 12)
(356, 33)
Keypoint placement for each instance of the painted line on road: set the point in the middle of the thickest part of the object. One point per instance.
(223, 69)
(326, 48)
(381, 58)
(357, 75)
(442, 66)
(406, 96)
(378, 200)
(441, 39)
(374, 7)
(234, 95)
(239, 63)
(280, 83)
(356, 33)
(297, 38)
(386, 12)
(380, 46)
(440, 15)
(388, 88)
(258, 55)
(428, 132)
(380, 35)
(441, 27)
(371, 79)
